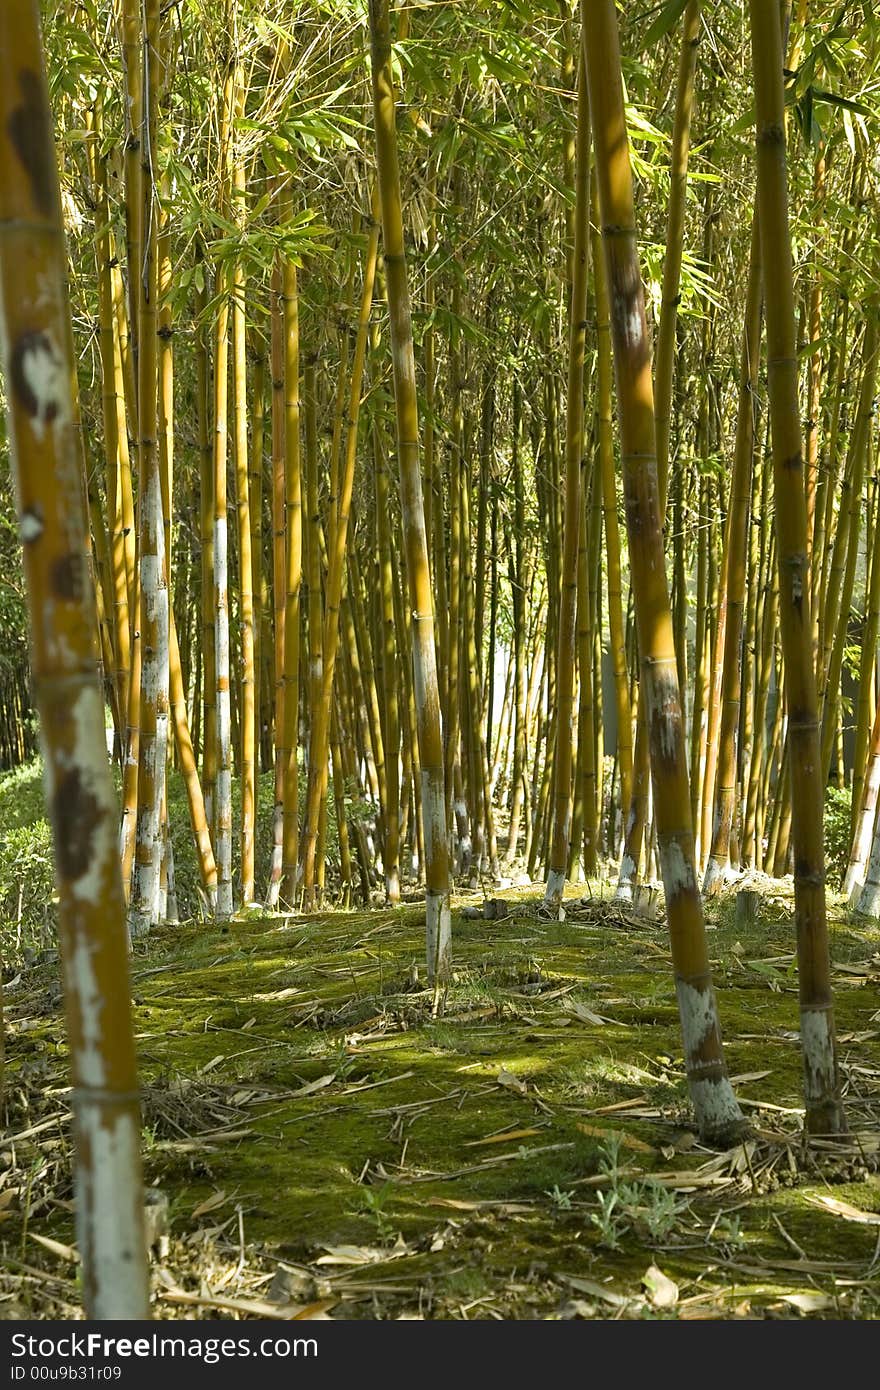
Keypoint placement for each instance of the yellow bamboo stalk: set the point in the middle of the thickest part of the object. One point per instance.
(605, 461)
(279, 571)
(206, 539)
(391, 724)
(129, 33)
(39, 369)
(247, 719)
(670, 293)
(223, 804)
(131, 757)
(715, 1106)
(867, 812)
(824, 1112)
(262, 749)
(574, 449)
(838, 608)
(452, 711)
(153, 574)
(315, 684)
(115, 439)
(293, 577)
(866, 676)
(430, 744)
(738, 522)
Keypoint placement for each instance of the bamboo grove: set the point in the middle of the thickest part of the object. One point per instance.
(475, 423)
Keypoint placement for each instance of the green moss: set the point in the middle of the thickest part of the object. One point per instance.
(232, 1024)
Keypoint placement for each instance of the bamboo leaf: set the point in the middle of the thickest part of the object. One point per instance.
(808, 1302)
(55, 1247)
(838, 1207)
(662, 1291)
(209, 1204)
(512, 1083)
(668, 17)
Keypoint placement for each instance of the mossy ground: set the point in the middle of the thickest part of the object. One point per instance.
(387, 1188)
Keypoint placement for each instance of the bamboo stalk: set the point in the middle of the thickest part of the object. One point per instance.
(574, 448)
(153, 740)
(715, 1106)
(293, 575)
(246, 613)
(279, 572)
(39, 369)
(320, 727)
(740, 497)
(824, 1112)
(437, 911)
(224, 284)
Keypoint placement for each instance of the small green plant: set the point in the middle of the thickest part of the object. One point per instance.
(609, 1220)
(645, 1207)
(373, 1202)
(343, 1062)
(149, 1137)
(658, 1209)
(561, 1200)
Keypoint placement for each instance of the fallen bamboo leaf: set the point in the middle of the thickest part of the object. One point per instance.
(809, 1302)
(215, 1136)
(362, 1254)
(214, 1062)
(256, 1307)
(662, 1291)
(210, 1204)
(503, 1208)
(619, 1105)
(60, 1119)
(310, 1087)
(371, 1085)
(626, 1141)
(586, 1015)
(617, 1300)
(844, 1209)
(502, 1138)
(64, 1252)
(512, 1082)
(251, 1097)
(766, 1105)
(516, 1155)
(318, 1309)
(686, 1181)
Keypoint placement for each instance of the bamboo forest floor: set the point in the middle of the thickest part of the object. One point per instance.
(327, 1147)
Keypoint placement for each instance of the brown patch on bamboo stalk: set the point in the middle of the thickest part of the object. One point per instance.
(75, 813)
(31, 137)
(67, 577)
